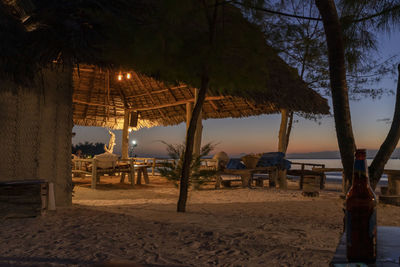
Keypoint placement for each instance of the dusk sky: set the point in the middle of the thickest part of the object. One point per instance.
(260, 134)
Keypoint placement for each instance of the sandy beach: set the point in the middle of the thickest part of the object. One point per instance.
(226, 227)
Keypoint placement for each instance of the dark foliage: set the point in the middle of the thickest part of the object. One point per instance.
(36, 34)
(172, 170)
(88, 149)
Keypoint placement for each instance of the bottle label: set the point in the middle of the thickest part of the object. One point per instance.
(360, 165)
(348, 228)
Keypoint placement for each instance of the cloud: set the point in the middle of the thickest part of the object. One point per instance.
(385, 120)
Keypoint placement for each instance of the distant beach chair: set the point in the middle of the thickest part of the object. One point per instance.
(253, 168)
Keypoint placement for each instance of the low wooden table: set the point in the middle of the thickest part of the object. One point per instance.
(246, 175)
(388, 253)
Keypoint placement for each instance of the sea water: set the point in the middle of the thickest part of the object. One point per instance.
(392, 164)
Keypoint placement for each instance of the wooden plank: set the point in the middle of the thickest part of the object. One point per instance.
(94, 174)
(327, 169)
(177, 103)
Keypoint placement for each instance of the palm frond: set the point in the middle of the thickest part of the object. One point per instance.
(172, 171)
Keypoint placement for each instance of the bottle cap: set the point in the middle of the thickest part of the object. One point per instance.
(361, 154)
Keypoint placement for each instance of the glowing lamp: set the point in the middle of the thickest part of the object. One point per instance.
(134, 142)
(119, 77)
(128, 76)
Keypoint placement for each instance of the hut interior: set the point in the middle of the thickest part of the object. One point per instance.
(127, 99)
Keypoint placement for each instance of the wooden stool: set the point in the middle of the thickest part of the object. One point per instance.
(311, 185)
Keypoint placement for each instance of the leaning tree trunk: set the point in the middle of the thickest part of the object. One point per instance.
(385, 151)
(190, 134)
(289, 130)
(36, 130)
(184, 183)
(283, 131)
(337, 73)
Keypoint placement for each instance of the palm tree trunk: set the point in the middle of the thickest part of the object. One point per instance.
(337, 72)
(184, 183)
(283, 131)
(289, 130)
(388, 146)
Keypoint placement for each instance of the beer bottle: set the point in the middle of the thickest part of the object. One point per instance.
(361, 214)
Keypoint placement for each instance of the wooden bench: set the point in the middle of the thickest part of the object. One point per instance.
(24, 198)
(302, 172)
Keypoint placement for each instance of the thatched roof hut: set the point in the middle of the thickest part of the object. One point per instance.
(100, 99)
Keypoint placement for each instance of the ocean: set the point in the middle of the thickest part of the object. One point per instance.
(392, 164)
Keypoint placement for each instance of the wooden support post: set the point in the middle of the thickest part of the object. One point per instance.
(153, 168)
(282, 147)
(302, 176)
(282, 179)
(199, 131)
(189, 109)
(94, 174)
(132, 172)
(125, 136)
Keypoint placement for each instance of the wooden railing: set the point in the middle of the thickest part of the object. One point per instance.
(303, 165)
(386, 171)
(152, 162)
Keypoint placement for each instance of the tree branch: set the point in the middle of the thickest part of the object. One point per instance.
(383, 12)
(274, 11)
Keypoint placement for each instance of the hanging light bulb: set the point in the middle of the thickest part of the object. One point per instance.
(130, 130)
(128, 76)
(120, 77)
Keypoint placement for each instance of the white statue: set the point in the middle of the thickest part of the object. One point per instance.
(111, 143)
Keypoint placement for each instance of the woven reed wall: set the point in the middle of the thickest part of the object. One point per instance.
(35, 133)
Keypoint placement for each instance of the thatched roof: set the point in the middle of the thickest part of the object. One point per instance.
(100, 100)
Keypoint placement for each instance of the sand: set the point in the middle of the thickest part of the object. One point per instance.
(226, 227)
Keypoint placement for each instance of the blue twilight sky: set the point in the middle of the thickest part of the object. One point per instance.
(260, 134)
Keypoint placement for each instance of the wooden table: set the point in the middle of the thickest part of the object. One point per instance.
(246, 175)
(388, 250)
(140, 169)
